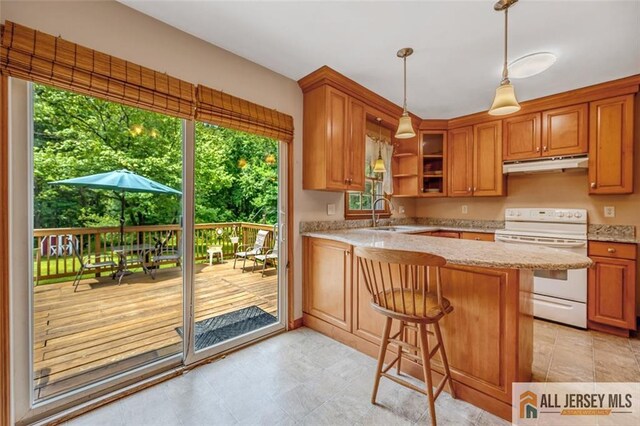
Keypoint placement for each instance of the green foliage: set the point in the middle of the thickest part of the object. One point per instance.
(77, 135)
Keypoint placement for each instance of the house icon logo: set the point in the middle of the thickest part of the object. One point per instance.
(528, 405)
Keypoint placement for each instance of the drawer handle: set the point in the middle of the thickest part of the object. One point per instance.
(611, 250)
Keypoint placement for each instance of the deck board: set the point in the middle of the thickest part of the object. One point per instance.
(105, 328)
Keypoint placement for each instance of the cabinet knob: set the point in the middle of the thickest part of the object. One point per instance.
(537, 149)
(611, 250)
(475, 189)
(593, 184)
(469, 190)
(477, 238)
(544, 148)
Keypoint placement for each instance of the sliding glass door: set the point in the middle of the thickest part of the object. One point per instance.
(106, 241)
(151, 242)
(237, 238)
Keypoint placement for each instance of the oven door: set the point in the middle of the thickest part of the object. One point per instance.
(570, 284)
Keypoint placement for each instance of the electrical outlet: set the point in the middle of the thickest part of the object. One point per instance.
(401, 209)
(609, 211)
(465, 209)
(331, 209)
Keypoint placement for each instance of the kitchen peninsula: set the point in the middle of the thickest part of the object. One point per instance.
(489, 335)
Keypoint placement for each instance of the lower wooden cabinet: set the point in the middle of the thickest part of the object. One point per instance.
(611, 297)
(477, 236)
(327, 281)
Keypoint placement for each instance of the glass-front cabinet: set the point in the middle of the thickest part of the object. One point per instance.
(433, 148)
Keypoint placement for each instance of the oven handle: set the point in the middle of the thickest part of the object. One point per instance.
(542, 243)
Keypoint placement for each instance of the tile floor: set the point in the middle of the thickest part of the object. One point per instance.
(303, 377)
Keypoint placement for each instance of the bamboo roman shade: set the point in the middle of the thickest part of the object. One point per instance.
(32, 55)
(216, 107)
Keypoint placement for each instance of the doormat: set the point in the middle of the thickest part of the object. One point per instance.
(214, 330)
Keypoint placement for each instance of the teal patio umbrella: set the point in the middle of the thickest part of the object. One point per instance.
(120, 181)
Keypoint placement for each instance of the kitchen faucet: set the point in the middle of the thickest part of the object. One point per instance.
(373, 210)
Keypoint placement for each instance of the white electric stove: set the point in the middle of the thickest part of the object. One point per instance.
(559, 296)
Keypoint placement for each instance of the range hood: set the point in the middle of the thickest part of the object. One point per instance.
(554, 164)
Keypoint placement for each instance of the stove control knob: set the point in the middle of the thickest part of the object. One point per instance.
(578, 215)
(560, 214)
(569, 215)
(518, 214)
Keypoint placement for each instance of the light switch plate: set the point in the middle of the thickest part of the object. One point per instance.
(331, 209)
(401, 209)
(465, 209)
(609, 211)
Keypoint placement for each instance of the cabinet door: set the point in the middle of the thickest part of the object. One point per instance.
(327, 281)
(488, 179)
(564, 131)
(356, 149)
(522, 138)
(611, 146)
(460, 162)
(611, 298)
(477, 236)
(337, 144)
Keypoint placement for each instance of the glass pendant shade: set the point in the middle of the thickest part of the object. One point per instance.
(405, 127)
(378, 166)
(505, 101)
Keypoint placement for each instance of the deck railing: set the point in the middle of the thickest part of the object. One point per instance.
(54, 255)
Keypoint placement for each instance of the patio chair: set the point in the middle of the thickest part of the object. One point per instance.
(86, 265)
(246, 251)
(163, 254)
(270, 256)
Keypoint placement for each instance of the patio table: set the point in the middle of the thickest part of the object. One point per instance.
(123, 251)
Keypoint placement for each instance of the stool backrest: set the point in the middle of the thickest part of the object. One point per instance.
(399, 280)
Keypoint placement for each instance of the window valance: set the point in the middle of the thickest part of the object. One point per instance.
(216, 107)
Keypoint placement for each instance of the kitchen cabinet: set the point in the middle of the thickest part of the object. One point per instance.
(611, 297)
(488, 179)
(550, 133)
(327, 281)
(433, 164)
(460, 162)
(405, 165)
(611, 145)
(334, 141)
(477, 236)
(522, 138)
(475, 160)
(564, 131)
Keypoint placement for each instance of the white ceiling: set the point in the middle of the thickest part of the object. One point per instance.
(458, 44)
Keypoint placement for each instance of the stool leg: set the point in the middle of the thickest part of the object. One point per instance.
(445, 362)
(401, 337)
(426, 367)
(383, 352)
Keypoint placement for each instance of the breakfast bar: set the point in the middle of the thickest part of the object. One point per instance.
(488, 336)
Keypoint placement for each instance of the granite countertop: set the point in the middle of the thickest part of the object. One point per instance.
(459, 252)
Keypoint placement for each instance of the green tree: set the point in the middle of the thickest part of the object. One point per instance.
(76, 135)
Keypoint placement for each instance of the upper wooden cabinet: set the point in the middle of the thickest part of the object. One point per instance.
(488, 179)
(522, 139)
(460, 162)
(611, 146)
(564, 131)
(475, 160)
(433, 163)
(334, 141)
(551, 133)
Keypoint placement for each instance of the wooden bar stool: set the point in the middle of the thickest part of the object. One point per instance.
(400, 283)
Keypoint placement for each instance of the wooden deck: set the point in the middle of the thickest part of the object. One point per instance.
(105, 328)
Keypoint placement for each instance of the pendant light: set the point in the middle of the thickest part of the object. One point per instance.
(405, 127)
(378, 166)
(505, 101)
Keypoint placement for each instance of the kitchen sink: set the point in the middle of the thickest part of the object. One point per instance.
(396, 229)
